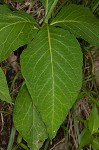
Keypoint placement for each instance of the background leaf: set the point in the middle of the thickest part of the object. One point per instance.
(4, 91)
(95, 144)
(27, 120)
(93, 121)
(4, 9)
(79, 21)
(16, 29)
(52, 69)
(85, 138)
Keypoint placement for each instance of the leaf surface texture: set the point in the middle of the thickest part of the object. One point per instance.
(79, 21)
(52, 68)
(27, 120)
(16, 29)
(4, 91)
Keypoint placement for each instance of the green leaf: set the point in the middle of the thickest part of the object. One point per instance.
(85, 138)
(4, 91)
(79, 21)
(27, 120)
(93, 121)
(16, 29)
(4, 9)
(52, 69)
(95, 144)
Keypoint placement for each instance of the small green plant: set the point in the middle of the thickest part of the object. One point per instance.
(90, 131)
(51, 66)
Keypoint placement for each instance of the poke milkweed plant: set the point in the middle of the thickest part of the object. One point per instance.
(51, 66)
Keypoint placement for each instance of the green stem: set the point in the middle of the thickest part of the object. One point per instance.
(24, 146)
(11, 140)
(50, 11)
(95, 6)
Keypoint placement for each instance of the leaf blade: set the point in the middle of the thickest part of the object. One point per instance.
(79, 21)
(16, 29)
(85, 138)
(95, 144)
(4, 91)
(56, 52)
(27, 120)
(93, 121)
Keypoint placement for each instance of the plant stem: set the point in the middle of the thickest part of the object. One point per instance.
(51, 10)
(24, 146)
(11, 140)
(95, 6)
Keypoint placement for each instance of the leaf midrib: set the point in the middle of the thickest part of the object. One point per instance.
(51, 57)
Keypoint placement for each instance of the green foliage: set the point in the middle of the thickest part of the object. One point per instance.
(4, 9)
(95, 144)
(94, 4)
(4, 92)
(54, 74)
(79, 21)
(93, 121)
(27, 120)
(16, 29)
(87, 136)
(51, 66)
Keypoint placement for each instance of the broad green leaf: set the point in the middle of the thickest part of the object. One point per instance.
(27, 120)
(95, 144)
(85, 138)
(52, 68)
(4, 91)
(4, 9)
(16, 29)
(93, 121)
(79, 21)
